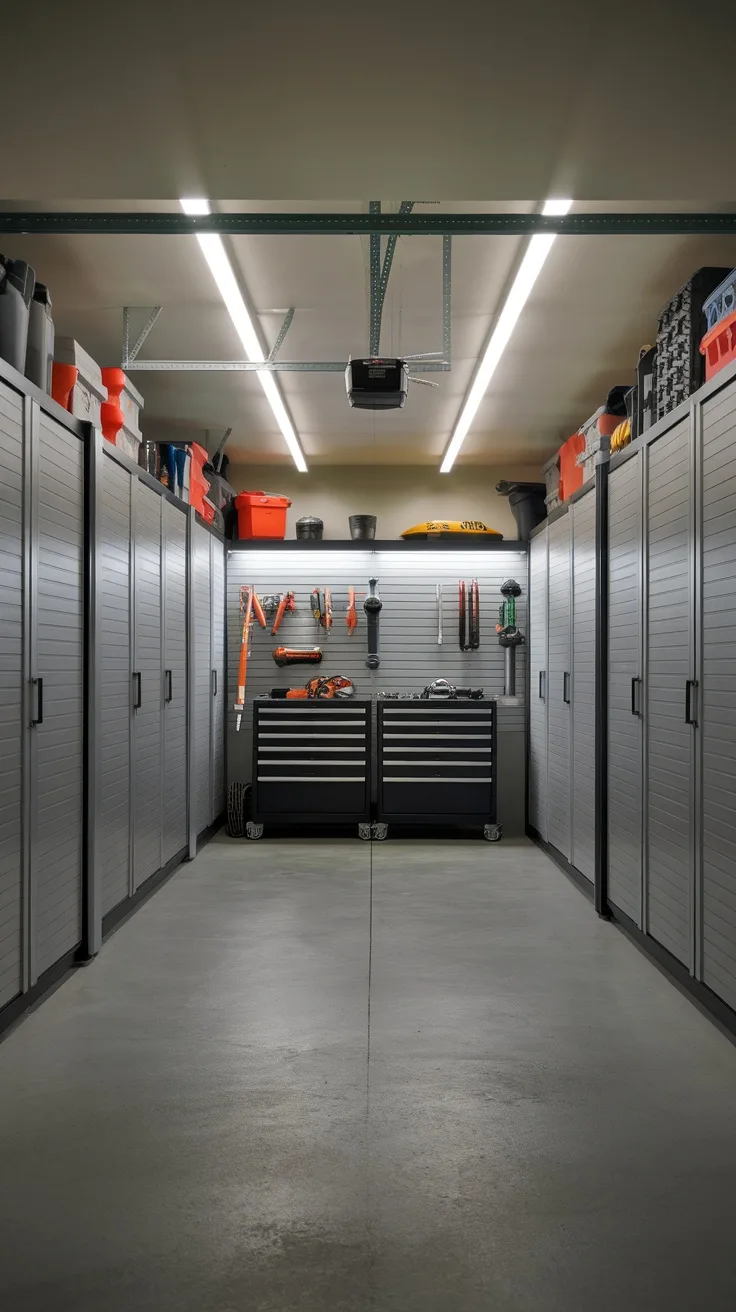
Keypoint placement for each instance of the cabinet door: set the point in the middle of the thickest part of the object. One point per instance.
(57, 741)
(114, 655)
(219, 692)
(201, 618)
(146, 684)
(537, 684)
(582, 844)
(559, 687)
(625, 806)
(718, 685)
(670, 753)
(11, 692)
(174, 611)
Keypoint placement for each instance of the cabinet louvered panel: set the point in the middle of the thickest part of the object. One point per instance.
(147, 666)
(174, 785)
(202, 620)
(669, 738)
(57, 769)
(219, 691)
(583, 514)
(538, 683)
(624, 666)
(11, 691)
(718, 701)
(114, 657)
(558, 708)
(436, 762)
(312, 761)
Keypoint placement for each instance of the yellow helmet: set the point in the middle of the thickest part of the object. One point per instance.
(451, 528)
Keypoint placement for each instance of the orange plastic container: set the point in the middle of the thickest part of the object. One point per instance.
(571, 473)
(199, 486)
(719, 345)
(261, 515)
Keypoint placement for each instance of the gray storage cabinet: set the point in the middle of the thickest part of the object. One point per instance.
(42, 685)
(208, 643)
(562, 693)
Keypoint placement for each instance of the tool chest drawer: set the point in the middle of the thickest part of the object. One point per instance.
(436, 762)
(312, 761)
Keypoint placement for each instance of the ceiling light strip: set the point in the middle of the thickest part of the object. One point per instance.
(222, 271)
(529, 270)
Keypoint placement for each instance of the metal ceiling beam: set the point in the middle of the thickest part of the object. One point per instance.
(270, 366)
(407, 225)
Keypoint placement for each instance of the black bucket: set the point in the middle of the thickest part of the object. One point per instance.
(527, 503)
(362, 527)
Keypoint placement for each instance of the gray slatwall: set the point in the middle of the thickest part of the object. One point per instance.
(174, 757)
(558, 731)
(670, 747)
(201, 616)
(147, 743)
(114, 633)
(410, 655)
(624, 664)
(718, 716)
(11, 686)
(583, 685)
(57, 817)
(217, 575)
(537, 666)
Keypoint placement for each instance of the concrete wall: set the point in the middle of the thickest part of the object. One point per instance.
(400, 496)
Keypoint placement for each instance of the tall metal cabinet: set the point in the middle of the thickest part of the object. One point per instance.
(42, 686)
(672, 686)
(209, 690)
(562, 662)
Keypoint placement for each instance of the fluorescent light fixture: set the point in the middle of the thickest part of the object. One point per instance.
(221, 269)
(529, 270)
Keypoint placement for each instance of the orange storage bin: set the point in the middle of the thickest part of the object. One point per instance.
(571, 473)
(719, 345)
(199, 486)
(261, 515)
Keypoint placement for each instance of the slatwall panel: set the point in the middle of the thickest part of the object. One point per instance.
(58, 781)
(583, 685)
(410, 655)
(174, 783)
(537, 677)
(718, 714)
(114, 631)
(670, 746)
(624, 664)
(11, 687)
(558, 712)
(217, 566)
(201, 616)
(147, 736)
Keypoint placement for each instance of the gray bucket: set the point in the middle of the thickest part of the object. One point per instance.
(309, 528)
(362, 527)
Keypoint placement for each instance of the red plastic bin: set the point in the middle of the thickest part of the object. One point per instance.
(719, 345)
(261, 515)
(571, 473)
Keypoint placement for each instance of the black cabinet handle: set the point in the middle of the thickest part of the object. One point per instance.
(38, 685)
(214, 683)
(691, 688)
(138, 692)
(635, 700)
(541, 683)
(169, 694)
(566, 687)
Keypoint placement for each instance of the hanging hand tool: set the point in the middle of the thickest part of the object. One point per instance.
(474, 615)
(469, 615)
(373, 607)
(462, 615)
(297, 655)
(322, 607)
(328, 609)
(285, 602)
(509, 635)
(249, 604)
(351, 615)
(438, 593)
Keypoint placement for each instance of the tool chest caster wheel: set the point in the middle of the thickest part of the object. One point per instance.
(364, 832)
(380, 832)
(253, 830)
(492, 833)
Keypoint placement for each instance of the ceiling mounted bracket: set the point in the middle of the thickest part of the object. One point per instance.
(130, 352)
(286, 325)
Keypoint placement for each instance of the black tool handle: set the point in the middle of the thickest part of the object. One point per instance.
(169, 694)
(138, 693)
(690, 689)
(38, 685)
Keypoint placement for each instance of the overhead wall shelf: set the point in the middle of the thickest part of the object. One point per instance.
(399, 544)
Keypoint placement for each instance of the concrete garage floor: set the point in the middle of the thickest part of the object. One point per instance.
(541, 1122)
